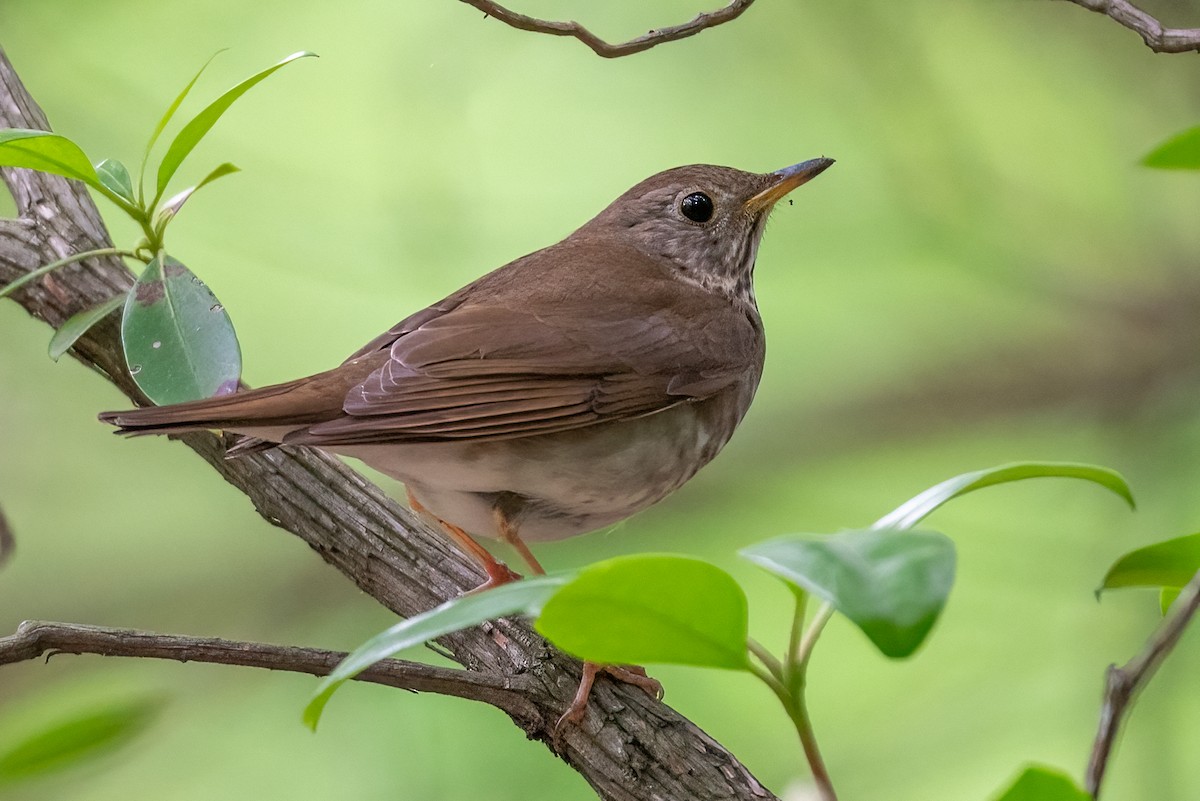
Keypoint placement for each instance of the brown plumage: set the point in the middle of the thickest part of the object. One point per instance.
(564, 391)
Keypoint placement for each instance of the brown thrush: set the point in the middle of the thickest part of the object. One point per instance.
(561, 393)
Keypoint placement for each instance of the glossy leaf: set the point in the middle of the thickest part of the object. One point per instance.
(1165, 564)
(650, 608)
(170, 112)
(169, 209)
(1180, 152)
(178, 339)
(58, 155)
(113, 175)
(524, 597)
(187, 139)
(918, 508)
(68, 742)
(1043, 784)
(78, 324)
(892, 584)
(47, 152)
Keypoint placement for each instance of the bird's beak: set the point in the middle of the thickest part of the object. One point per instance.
(785, 180)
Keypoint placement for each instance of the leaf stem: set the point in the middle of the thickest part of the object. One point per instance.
(793, 677)
(54, 265)
(767, 658)
(804, 652)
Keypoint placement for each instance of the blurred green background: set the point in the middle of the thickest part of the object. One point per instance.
(985, 276)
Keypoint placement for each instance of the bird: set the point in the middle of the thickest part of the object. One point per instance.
(558, 394)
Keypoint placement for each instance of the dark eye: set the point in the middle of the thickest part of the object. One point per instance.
(697, 207)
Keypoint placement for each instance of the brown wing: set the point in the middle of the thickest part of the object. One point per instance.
(544, 352)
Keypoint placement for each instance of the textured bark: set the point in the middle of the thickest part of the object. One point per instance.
(629, 746)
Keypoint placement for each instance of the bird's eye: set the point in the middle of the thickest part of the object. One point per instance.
(697, 207)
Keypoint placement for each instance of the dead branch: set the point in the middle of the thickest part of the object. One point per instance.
(605, 49)
(1157, 37)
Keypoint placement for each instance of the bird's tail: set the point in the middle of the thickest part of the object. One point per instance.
(294, 404)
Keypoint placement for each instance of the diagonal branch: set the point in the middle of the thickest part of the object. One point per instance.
(605, 49)
(630, 746)
(34, 638)
(1157, 37)
(1121, 684)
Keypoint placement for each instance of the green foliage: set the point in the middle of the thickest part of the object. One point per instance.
(524, 597)
(892, 586)
(191, 134)
(918, 508)
(83, 737)
(1170, 565)
(79, 323)
(1043, 784)
(179, 342)
(888, 580)
(1180, 152)
(650, 608)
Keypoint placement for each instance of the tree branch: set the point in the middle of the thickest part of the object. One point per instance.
(629, 747)
(1158, 38)
(34, 638)
(605, 49)
(1121, 684)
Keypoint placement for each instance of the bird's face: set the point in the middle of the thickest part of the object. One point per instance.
(705, 221)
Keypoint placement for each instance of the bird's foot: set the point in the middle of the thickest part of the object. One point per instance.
(629, 674)
(497, 573)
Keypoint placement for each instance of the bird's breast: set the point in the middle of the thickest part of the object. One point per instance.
(570, 482)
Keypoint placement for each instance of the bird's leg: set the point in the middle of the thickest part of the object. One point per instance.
(497, 572)
(508, 533)
(630, 674)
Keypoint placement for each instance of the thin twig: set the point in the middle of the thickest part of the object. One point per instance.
(1157, 37)
(605, 49)
(1122, 684)
(34, 638)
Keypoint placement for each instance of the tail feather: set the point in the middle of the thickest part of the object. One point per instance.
(294, 404)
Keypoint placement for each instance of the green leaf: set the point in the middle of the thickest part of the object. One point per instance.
(1166, 597)
(168, 210)
(68, 742)
(47, 152)
(58, 155)
(178, 339)
(166, 117)
(891, 584)
(917, 509)
(1180, 152)
(194, 131)
(523, 597)
(113, 175)
(1038, 783)
(650, 608)
(78, 324)
(1164, 564)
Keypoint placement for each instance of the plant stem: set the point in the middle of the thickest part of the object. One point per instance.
(808, 739)
(767, 658)
(796, 709)
(804, 651)
(54, 265)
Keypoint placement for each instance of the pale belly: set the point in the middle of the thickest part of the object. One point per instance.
(567, 483)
